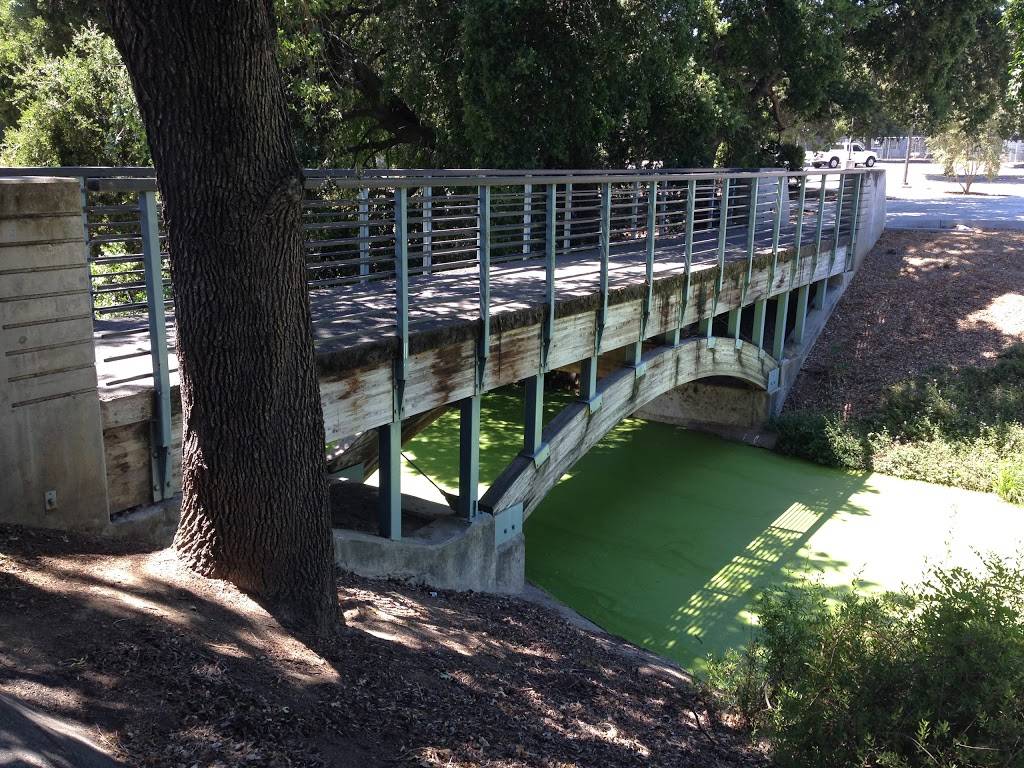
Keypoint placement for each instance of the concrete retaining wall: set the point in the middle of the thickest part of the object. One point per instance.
(51, 447)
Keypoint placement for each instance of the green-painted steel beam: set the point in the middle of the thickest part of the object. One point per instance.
(484, 256)
(757, 334)
(533, 432)
(801, 322)
(751, 235)
(802, 295)
(588, 383)
(389, 490)
(799, 236)
(781, 315)
(428, 229)
(820, 294)
(469, 456)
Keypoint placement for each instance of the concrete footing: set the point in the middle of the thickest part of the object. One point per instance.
(445, 554)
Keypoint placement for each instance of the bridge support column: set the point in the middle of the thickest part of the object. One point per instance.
(735, 316)
(801, 313)
(760, 309)
(588, 383)
(469, 456)
(533, 441)
(389, 498)
(781, 316)
(820, 294)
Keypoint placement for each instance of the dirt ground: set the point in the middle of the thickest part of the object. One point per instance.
(920, 299)
(168, 669)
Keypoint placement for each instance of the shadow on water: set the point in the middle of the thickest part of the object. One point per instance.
(663, 536)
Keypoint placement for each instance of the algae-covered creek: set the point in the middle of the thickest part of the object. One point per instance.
(667, 537)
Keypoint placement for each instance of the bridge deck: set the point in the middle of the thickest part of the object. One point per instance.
(357, 316)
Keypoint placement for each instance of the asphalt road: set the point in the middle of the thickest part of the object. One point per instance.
(931, 201)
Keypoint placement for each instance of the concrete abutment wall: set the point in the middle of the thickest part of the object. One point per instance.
(52, 472)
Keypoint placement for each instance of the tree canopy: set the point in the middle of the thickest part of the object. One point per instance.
(535, 83)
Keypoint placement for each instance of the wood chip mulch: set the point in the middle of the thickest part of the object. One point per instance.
(169, 669)
(920, 299)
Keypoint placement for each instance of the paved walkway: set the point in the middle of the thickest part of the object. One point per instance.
(933, 202)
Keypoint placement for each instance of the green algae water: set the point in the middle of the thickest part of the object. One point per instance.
(667, 537)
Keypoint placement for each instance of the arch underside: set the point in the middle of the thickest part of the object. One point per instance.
(575, 430)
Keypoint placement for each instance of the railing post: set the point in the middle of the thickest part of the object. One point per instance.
(851, 255)
(484, 255)
(363, 201)
(160, 440)
(707, 323)
(550, 248)
(838, 223)
(799, 236)
(533, 412)
(781, 315)
(469, 456)
(428, 229)
(821, 288)
(691, 195)
(389, 436)
(527, 219)
(605, 255)
(567, 220)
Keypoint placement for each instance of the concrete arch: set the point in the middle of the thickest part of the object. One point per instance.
(575, 430)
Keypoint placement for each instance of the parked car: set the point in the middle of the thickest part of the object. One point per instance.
(840, 153)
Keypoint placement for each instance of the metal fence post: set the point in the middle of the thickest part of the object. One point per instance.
(363, 198)
(484, 254)
(527, 219)
(428, 229)
(160, 442)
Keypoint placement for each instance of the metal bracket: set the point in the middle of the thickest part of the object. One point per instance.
(640, 369)
(773, 380)
(540, 455)
(739, 343)
(712, 342)
(507, 524)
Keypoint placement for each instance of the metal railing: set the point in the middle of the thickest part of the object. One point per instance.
(415, 233)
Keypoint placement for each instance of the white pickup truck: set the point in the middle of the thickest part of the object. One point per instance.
(840, 153)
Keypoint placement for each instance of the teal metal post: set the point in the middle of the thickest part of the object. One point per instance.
(363, 202)
(567, 220)
(401, 288)
(389, 498)
(389, 436)
(469, 456)
(533, 436)
(821, 223)
(649, 245)
(820, 294)
(757, 334)
(707, 324)
(851, 253)
(484, 254)
(550, 247)
(783, 182)
(160, 443)
(527, 219)
(781, 315)
(839, 216)
(428, 229)
(799, 236)
(801, 313)
(751, 236)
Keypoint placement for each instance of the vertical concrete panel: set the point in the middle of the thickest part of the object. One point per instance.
(51, 435)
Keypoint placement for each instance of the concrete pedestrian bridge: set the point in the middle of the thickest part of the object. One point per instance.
(656, 292)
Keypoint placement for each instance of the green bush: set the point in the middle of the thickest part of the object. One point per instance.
(957, 427)
(931, 676)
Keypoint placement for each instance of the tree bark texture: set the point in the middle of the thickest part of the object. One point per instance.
(254, 493)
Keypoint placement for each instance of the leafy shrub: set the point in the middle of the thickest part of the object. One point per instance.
(930, 676)
(957, 427)
(77, 108)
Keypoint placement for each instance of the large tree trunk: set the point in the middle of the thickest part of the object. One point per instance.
(254, 503)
